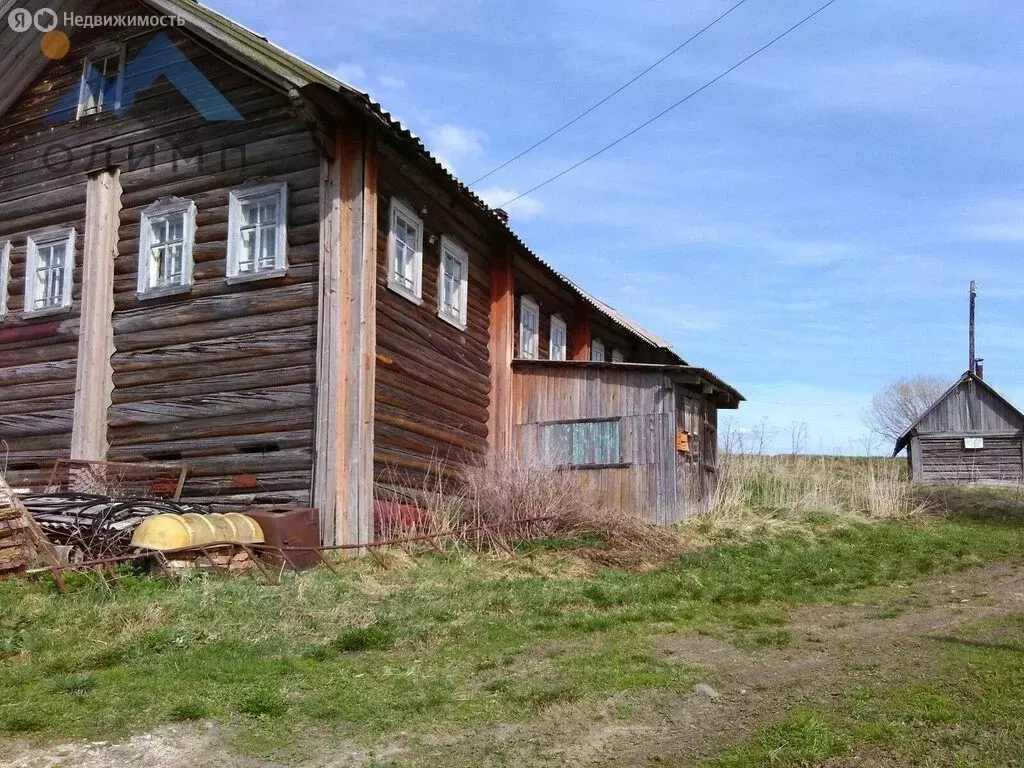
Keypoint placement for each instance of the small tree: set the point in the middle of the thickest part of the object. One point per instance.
(901, 403)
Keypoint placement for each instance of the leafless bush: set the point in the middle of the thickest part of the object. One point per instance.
(491, 506)
(901, 403)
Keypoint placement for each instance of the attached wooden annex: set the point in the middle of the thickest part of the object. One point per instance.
(971, 434)
(214, 253)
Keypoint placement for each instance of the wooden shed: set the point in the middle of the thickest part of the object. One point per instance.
(971, 434)
(644, 435)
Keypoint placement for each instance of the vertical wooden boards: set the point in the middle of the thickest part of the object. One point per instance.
(579, 335)
(346, 341)
(95, 379)
(500, 346)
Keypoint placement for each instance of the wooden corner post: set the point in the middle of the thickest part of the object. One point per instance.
(346, 339)
(94, 383)
(500, 342)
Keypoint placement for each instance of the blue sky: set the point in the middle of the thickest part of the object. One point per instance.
(806, 228)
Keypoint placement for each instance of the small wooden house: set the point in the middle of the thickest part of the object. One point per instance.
(216, 254)
(971, 434)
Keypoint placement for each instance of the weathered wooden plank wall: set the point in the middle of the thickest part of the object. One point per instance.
(970, 407)
(697, 468)
(644, 403)
(433, 380)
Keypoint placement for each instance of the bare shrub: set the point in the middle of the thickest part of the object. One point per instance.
(492, 506)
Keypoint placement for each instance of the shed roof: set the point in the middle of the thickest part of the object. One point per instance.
(703, 375)
(904, 439)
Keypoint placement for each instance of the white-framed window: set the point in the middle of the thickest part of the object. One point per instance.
(597, 351)
(617, 356)
(258, 232)
(559, 339)
(453, 284)
(529, 327)
(405, 252)
(5, 275)
(166, 236)
(49, 268)
(102, 83)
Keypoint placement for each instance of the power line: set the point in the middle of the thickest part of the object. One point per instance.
(665, 111)
(607, 98)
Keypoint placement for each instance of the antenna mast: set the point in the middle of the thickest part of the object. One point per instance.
(972, 363)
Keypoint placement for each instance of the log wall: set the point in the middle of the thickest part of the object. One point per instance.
(944, 459)
(222, 377)
(433, 379)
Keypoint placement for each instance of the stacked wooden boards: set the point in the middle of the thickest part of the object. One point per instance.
(21, 542)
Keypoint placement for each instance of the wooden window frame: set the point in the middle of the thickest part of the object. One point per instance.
(617, 356)
(620, 464)
(5, 275)
(596, 344)
(527, 302)
(32, 245)
(405, 211)
(239, 197)
(460, 254)
(98, 54)
(557, 321)
(162, 209)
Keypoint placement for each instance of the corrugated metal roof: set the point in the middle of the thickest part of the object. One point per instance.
(297, 73)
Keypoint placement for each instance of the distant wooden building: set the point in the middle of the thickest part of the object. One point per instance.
(971, 434)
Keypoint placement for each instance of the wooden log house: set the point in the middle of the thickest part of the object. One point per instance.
(971, 434)
(212, 252)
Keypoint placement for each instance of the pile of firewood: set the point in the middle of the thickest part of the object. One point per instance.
(21, 542)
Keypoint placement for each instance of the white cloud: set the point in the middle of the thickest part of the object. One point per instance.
(523, 208)
(452, 144)
(350, 73)
(998, 221)
(909, 83)
(390, 83)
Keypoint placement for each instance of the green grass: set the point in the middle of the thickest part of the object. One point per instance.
(449, 643)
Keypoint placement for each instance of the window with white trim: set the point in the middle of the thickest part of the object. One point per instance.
(165, 247)
(258, 232)
(559, 339)
(5, 275)
(597, 351)
(617, 356)
(49, 267)
(453, 284)
(102, 83)
(529, 327)
(405, 252)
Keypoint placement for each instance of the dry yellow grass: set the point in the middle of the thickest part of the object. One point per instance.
(756, 489)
